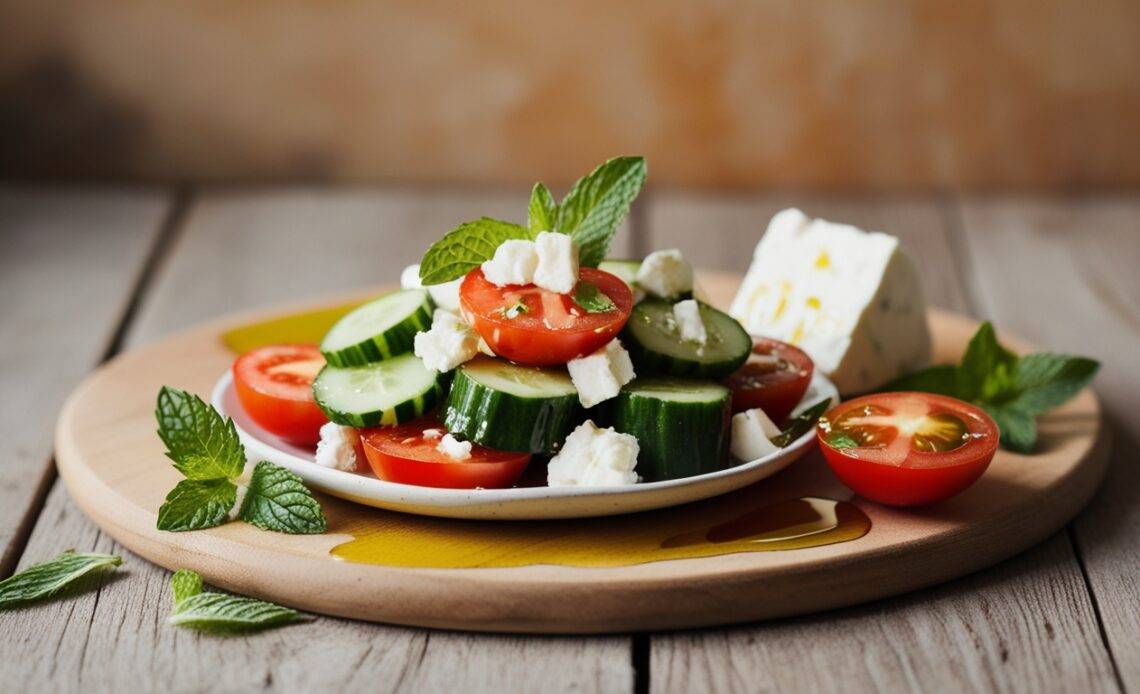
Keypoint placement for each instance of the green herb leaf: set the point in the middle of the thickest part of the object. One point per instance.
(840, 440)
(802, 423)
(588, 296)
(48, 578)
(465, 248)
(184, 584)
(597, 204)
(986, 371)
(202, 444)
(1018, 429)
(542, 212)
(941, 379)
(220, 612)
(278, 500)
(1046, 380)
(197, 504)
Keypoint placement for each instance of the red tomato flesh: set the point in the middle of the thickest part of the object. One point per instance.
(774, 378)
(907, 449)
(534, 326)
(275, 387)
(403, 454)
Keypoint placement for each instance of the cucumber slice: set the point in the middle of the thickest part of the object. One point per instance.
(654, 342)
(378, 330)
(385, 392)
(681, 425)
(510, 407)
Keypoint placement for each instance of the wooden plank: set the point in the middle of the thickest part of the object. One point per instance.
(1025, 624)
(1063, 273)
(239, 250)
(69, 262)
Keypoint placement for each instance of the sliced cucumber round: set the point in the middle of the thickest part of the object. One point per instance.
(385, 392)
(511, 407)
(378, 330)
(681, 425)
(654, 342)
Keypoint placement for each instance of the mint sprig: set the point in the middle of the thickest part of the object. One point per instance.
(1013, 390)
(542, 212)
(465, 248)
(197, 504)
(220, 612)
(43, 580)
(277, 500)
(202, 444)
(588, 296)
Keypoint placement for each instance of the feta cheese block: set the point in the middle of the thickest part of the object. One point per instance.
(453, 448)
(337, 447)
(445, 296)
(600, 376)
(593, 457)
(665, 274)
(752, 434)
(448, 343)
(851, 299)
(514, 262)
(687, 313)
(557, 262)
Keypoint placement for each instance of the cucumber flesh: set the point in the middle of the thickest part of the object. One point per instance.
(654, 342)
(510, 407)
(378, 330)
(386, 392)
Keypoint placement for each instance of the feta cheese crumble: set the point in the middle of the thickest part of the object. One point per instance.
(557, 262)
(687, 313)
(600, 376)
(593, 457)
(752, 432)
(432, 434)
(337, 447)
(665, 273)
(453, 448)
(449, 343)
(445, 296)
(514, 262)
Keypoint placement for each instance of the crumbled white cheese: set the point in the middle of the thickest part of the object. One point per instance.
(514, 262)
(557, 262)
(600, 376)
(449, 343)
(445, 296)
(687, 313)
(337, 447)
(665, 273)
(432, 434)
(752, 432)
(454, 448)
(593, 457)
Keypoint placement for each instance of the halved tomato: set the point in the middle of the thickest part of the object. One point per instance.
(907, 449)
(403, 453)
(774, 378)
(534, 326)
(275, 386)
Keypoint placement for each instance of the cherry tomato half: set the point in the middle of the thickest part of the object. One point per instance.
(402, 453)
(907, 449)
(275, 386)
(774, 378)
(535, 326)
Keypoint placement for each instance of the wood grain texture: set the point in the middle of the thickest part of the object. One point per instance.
(1063, 272)
(960, 636)
(239, 250)
(68, 263)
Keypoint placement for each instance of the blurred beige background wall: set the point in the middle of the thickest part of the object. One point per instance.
(731, 93)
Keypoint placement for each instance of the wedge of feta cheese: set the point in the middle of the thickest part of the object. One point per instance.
(851, 299)
(752, 433)
(337, 447)
(453, 448)
(687, 313)
(514, 262)
(557, 262)
(593, 457)
(445, 296)
(600, 376)
(448, 343)
(665, 273)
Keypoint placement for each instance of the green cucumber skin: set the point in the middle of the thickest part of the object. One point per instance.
(404, 412)
(648, 361)
(394, 341)
(507, 422)
(675, 439)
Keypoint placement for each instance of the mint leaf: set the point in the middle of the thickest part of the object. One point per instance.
(840, 440)
(202, 444)
(941, 379)
(588, 296)
(278, 500)
(986, 371)
(1018, 429)
(542, 212)
(219, 612)
(48, 578)
(465, 248)
(802, 423)
(1045, 380)
(597, 204)
(197, 504)
(185, 583)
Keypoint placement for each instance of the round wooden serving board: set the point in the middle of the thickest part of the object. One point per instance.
(114, 467)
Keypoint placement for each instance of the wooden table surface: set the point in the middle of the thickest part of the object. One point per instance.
(86, 273)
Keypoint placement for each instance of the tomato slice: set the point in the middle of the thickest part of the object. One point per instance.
(774, 378)
(275, 386)
(404, 454)
(533, 326)
(907, 449)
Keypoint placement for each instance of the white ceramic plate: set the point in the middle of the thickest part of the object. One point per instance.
(519, 503)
